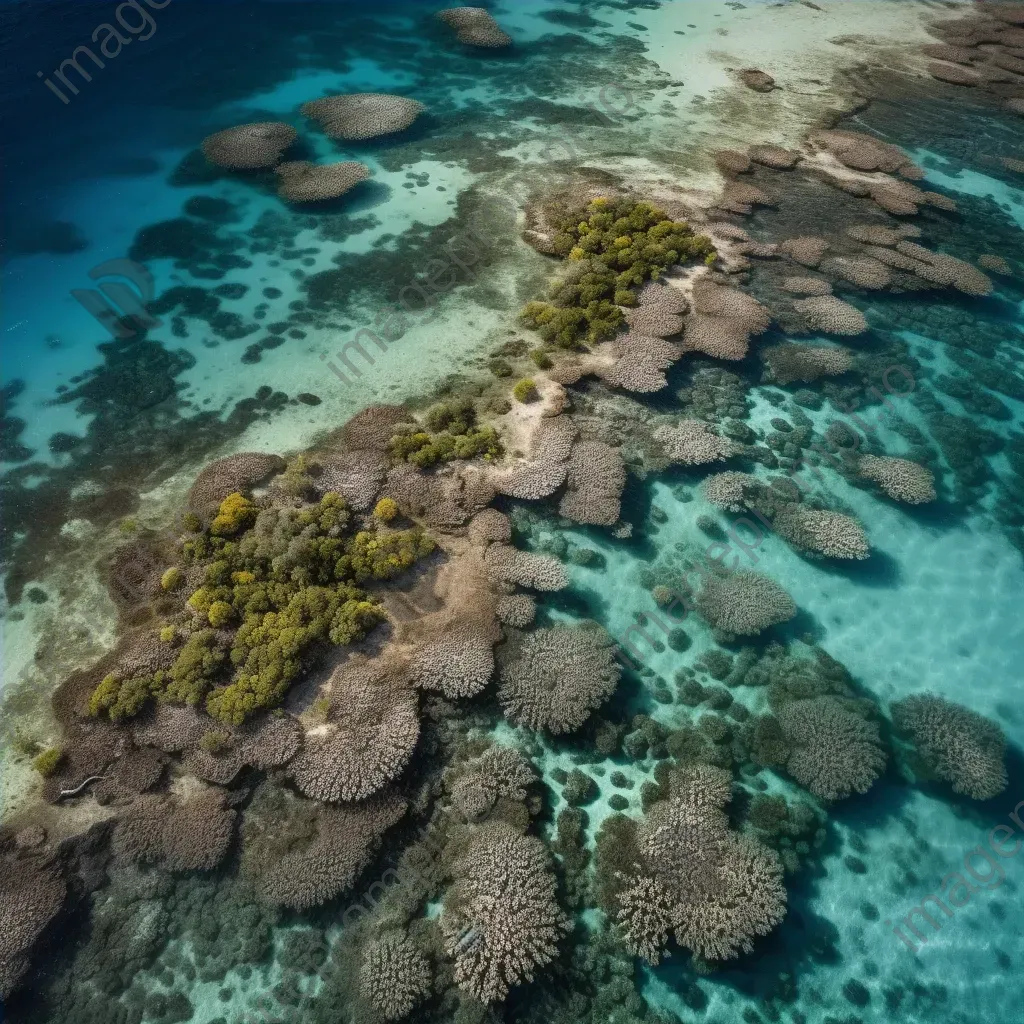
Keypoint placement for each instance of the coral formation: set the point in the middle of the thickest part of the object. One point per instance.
(363, 115)
(594, 483)
(191, 832)
(901, 479)
(835, 751)
(394, 976)
(726, 490)
(302, 854)
(32, 893)
(795, 362)
(714, 890)
(304, 182)
(249, 147)
(458, 661)
(957, 744)
(498, 772)
(723, 321)
(501, 919)
(831, 534)
(830, 315)
(475, 26)
(370, 734)
(694, 443)
(744, 603)
(553, 678)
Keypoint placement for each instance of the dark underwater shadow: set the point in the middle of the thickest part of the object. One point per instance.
(879, 570)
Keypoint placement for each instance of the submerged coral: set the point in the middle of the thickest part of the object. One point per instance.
(501, 919)
(957, 744)
(363, 115)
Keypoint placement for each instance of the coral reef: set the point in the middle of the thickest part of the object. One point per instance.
(249, 147)
(498, 772)
(32, 893)
(189, 832)
(303, 182)
(723, 321)
(957, 744)
(832, 534)
(301, 853)
(369, 735)
(835, 751)
(830, 315)
(794, 362)
(901, 479)
(694, 443)
(744, 603)
(594, 483)
(394, 976)
(363, 115)
(475, 26)
(554, 678)
(501, 919)
(726, 490)
(714, 890)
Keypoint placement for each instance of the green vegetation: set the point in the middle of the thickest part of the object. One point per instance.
(215, 742)
(385, 510)
(541, 359)
(276, 581)
(128, 525)
(48, 761)
(168, 634)
(612, 248)
(525, 391)
(297, 479)
(171, 579)
(452, 434)
(500, 367)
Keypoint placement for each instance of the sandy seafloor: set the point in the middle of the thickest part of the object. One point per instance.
(943, 613)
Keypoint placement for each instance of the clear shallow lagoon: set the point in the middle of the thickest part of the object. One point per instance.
(104, 439)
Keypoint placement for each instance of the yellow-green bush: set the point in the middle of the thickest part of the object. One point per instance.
(286, 579)
(171, 579)
(424, 449)
(612, 249)
(525, 390)
(236, 513)
(48, 761)
(385, 510)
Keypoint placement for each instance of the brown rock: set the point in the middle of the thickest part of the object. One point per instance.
(759, 81)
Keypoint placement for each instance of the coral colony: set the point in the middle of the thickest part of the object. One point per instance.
(635, 633)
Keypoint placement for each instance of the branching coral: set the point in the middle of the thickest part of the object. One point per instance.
(900, 479)
(693, 443)
(723, 321)
(509, 565)
(595, 480)
(554, 678)
(832, 534)
(957, 744)
(368, 738)
(497, 772)
(715, 890)
(835, 751)
(640, 362)
(270, 741)
(726, 490)
(302, 853)
(304, 182)
(516, 610)
(394, 976)
(501, 918)
(744, 603)
(249, 147)
(191, 832)
(795, 362)
(475, 26)
(32, 893)
(830, 315)
(490, 527)
(458, 661)
(363, 115)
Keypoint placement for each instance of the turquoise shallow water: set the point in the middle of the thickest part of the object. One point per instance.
(253, 294)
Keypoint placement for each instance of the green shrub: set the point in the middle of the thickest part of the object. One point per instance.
(385, 510)
(525, 391)
(171, 579)
(455, 417)
(611, 249)
(541, 359)
(215, 742)
(423, 449)
(48, 761)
